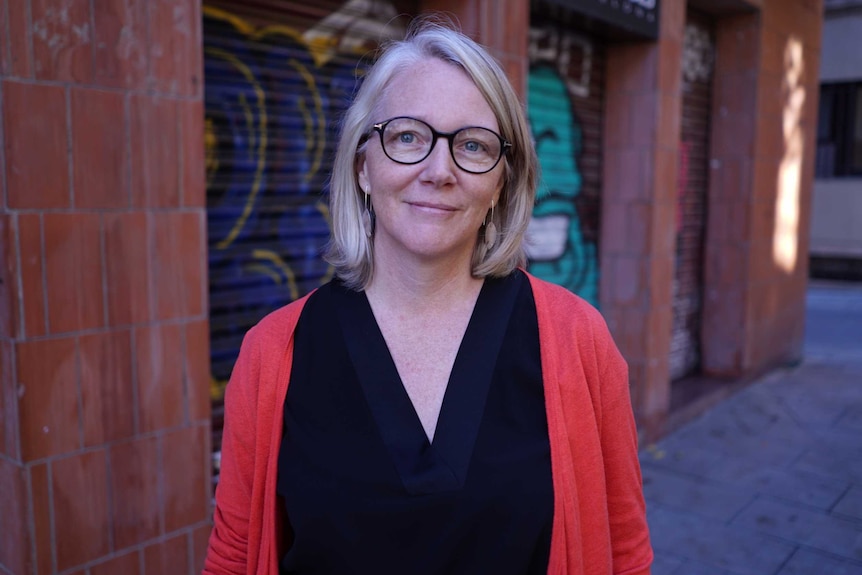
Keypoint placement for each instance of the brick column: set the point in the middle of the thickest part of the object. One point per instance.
(732, 165)
(502, 26)
(785, 145)
(104, 442)
(764, 129)
(642, 129)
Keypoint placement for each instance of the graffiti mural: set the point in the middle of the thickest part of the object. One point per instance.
(273, 96)
(561, 239)
(698, 58)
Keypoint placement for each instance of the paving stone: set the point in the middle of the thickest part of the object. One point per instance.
(755, 409)
(696, 568)
(828, 461)
(816, 407)
(727, 438)
(793, 485)
(828, 378)
(851, 504)
(696, 495)
(803, 526)
(749, 474)
(807, 562)
(841, 441)
(669, 564)
(735, 549)
(851, 419)
(683, 458)
(665, 564)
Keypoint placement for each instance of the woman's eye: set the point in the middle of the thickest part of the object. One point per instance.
(473, 146)
(406, 137)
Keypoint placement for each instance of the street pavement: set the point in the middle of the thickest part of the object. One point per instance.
(769, 481)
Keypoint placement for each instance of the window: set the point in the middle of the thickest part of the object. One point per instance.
(839, 130)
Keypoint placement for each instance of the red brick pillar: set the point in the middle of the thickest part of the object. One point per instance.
(104, 441)
(503, 26)
(786, 112)
(764, 129)
(732, 167)
(642, 129)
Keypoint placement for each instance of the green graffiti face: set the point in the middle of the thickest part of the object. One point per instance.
(556, 246)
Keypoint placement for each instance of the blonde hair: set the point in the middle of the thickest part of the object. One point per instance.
(349, 249)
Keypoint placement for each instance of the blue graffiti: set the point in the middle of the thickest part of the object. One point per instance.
(271, 116)
(561, 244)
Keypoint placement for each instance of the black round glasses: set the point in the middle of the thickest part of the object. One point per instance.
(407, 140)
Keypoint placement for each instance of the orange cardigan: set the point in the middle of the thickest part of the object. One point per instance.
(599, 523)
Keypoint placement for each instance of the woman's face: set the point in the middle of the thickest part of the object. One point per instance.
(431, 210)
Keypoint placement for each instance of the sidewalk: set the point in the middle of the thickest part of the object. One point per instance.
(769, 482)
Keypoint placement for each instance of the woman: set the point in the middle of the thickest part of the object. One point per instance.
(435, 409)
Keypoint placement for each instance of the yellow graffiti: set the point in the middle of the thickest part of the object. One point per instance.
(261, 151)
(210, 148)
(232, 19)
(264, 270)
(279, 263)
(321, 48)
(309, 120)
(249, 122)
(217, 387)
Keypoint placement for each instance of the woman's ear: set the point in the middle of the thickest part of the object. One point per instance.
(499, 194)
(362, 175)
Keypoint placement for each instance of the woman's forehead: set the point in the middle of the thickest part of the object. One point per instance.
(439, 93)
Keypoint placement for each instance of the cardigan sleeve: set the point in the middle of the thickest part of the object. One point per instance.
(631, 549)
(229, 541)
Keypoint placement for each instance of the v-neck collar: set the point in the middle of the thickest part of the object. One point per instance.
(426, 467)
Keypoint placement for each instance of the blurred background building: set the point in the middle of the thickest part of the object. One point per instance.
(836, 224)
(164, 174)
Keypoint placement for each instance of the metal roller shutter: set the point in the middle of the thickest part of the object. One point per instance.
(277, 76)
(565, 107)
(698, 57)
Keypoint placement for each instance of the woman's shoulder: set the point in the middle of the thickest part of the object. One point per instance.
(277, 326)
(261, 354)
(564, 306)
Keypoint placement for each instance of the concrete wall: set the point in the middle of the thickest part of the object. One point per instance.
(841, 59)
(836, 218)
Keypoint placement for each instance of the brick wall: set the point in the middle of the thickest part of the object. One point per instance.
(500, 25)
(642, 131)
(104, 442)
(763, 129)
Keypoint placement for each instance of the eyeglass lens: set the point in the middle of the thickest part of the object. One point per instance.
(409, 141)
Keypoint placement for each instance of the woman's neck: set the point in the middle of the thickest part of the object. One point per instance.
(422, 286)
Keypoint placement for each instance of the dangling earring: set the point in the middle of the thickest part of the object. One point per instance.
(368, 217)
(490, 230)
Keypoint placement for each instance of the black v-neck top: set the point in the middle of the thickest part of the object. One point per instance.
(364, 489)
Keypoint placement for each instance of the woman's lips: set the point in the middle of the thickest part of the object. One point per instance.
(431, 206)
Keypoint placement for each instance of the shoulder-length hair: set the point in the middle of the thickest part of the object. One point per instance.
(350, 250)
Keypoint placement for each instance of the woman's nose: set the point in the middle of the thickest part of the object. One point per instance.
(439, 164)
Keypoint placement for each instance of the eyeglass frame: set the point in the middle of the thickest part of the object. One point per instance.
(380, 127)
